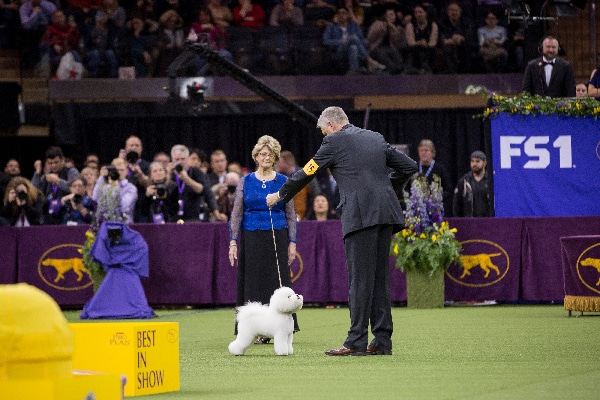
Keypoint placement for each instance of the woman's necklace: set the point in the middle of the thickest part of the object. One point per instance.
(264, 181)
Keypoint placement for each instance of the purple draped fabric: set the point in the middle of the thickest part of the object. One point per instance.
(581, 265)
(121, 294)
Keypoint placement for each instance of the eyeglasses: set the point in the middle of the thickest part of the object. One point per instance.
(265, 155)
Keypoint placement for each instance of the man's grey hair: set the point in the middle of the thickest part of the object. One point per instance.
(179, 148)
(332, 114)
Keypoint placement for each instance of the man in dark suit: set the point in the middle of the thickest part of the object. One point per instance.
(358, 160)
(549, 75)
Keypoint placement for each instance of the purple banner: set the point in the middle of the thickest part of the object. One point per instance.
(49, 259)
(581, 265)
(491, 260)
(8, 249)
(505, 259)
(542, 273)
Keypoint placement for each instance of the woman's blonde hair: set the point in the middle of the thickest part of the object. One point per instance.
(32, 192)
(271, 143)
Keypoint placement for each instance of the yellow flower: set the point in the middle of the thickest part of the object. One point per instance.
(405, 232)
(433, 238)
(422, 236)
(396, 251)
(453, 230)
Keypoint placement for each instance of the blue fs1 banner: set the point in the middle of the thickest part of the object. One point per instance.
(546, 166)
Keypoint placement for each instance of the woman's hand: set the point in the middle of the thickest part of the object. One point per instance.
(291, 253)
(232, 252)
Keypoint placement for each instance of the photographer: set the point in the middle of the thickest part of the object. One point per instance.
(77, 207)
(225, 193)
(137, 171)
(193, 198)
(157, 204)
(22, 204)
(53, 182)
(113, 187)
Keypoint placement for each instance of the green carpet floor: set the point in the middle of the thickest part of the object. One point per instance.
(487, 352)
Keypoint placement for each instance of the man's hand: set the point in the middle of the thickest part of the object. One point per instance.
(272, 199)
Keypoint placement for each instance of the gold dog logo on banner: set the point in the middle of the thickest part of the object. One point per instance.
(483, 263)
(588, 261)
(296, 268)
(61, 267)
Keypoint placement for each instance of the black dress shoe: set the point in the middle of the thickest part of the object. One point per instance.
(378, 351)
(344, 351)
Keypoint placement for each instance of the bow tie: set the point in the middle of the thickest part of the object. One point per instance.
(551, 63)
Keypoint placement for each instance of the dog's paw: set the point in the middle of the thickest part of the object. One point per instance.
(236, 350)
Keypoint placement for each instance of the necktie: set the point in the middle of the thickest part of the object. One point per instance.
(551, 63)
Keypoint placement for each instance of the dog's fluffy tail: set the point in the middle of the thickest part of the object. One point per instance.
(250, 308)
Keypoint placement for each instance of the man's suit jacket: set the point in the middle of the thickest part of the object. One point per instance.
(358, 160)
(562, 80)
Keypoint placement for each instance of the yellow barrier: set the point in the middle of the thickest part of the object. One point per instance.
(147, 353)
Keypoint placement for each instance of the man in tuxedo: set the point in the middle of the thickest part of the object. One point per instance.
(549, 75)
(359, 161)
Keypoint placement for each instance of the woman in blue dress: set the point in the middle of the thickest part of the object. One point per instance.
(262, 266)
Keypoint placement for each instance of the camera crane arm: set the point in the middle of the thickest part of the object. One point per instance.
(242, 76)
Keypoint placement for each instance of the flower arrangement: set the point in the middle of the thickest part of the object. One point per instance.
(427, 243)
(108, 209)
(527, 104)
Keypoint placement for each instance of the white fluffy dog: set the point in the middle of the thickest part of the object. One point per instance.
(273, 320)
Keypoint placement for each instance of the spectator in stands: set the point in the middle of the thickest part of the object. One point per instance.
(35, 17)
(347, 41)
(218, 167)
(146, 9)
(249, 14)
(92, 160)
(11, 170)
(225, 193)
(135, 47)
(581, 90)
(286, 14)
(209, 32)
(303, 200)
(22, 204)
(185, 8)
(355, 12)
(473, 196)
(60, 38)
(320, 209)
(422, 39)
(515, 45)
(457, 40)
(157, 202)
(221, 14)
(168, 42)
(117, 17)
(386, 41)
(593, 86)
(237, 168)
(77, 207)
(53, 183)
(113, 184)
(91, 176)
(198, 160)
(429, 167)
(193, 196)
(319, 12)
(83, 11)
(162, 158)
(491, 39)
(549, 75)
(252, 236)
(100, 50)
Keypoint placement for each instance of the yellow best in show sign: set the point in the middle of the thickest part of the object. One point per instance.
(147, 353)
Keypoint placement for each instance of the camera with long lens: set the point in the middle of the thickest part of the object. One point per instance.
(161, 191)
(113, 174)
(22, 195)
(132, 157)
(178, 167)
(231, 188)
(77, 199)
